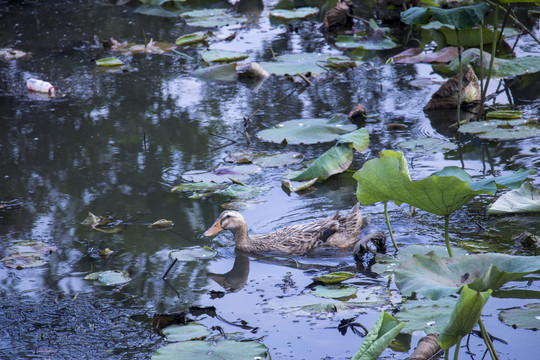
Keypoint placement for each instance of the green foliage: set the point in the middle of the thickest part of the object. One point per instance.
(525, 317)
(460, 17)
(300, 13)
(526, 199)
(379, 337)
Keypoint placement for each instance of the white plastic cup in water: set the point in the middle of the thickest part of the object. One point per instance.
(41, 86)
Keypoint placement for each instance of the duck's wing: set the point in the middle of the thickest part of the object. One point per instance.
(349, 227)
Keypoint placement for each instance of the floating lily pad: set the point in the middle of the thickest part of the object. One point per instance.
(376, 42)
(110, 61)
(109, 277)
(428, 145)
(241, 157)
(416, 55)
(313, 63)
(502, 129)
(222, 72)
(192, 253)
(278, 160)
(190, 39)
(526, 317)
(153, 47)
(335, 277)
(334, 161)
(208, 350)
(526, 199)
(222, 56)
(223, 174)
(212, 18)
(426, 315)
(27, 254)
(307, 131)
(297, 186)
(192, 331)
(339, 292)
(162, 224)
(300, 13)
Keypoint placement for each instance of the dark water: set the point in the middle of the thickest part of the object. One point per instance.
(116, 142)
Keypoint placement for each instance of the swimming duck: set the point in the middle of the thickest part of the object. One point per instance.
(295, 239)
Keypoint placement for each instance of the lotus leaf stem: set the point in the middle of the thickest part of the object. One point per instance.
(456, 351)
(487, 340)
(482, 94)
(389, 226)
(493, 50)
(446, 237)
(460, 78)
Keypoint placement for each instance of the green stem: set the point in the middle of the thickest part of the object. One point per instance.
(446, 237)
(446, 354)
(487, 340)
(389, 226)
(493, 50)
(460, 79)
(456, 351)
(482, 94)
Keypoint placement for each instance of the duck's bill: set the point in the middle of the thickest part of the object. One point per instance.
(214, 229)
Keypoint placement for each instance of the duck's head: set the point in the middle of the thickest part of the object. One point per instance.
(228, 220)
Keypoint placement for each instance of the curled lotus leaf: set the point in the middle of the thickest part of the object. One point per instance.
(335, 277)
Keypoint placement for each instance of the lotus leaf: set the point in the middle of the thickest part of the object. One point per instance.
(277, 160)
(526, 199)
(428, 145)
(190, 39)
(297, 186)
(223, 174)
(436, 277)
(300, 13)
(192, 331)
(501, 129)
(382, 333)
(212, 18)
(162, 224)
(227, 349)
(376, 42)
(426, 315)
(464, 316)
(460, 17)
(192, 253)
(291, 64)
(222, 72)
(109, 277)
(339, 292)
(335, 277)
(307, 131)
(222, 56)
(387, 178)
(110, 61)
(334, 161)
(526, 317)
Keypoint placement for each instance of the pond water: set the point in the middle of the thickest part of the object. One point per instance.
(114, 142)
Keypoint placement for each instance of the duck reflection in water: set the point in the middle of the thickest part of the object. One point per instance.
(235, 279)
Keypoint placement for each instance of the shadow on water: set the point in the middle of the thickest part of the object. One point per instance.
(115, 142)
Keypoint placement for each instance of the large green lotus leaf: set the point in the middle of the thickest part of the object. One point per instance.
(221, 72)
(300, 13)
(526, 317)
(222, 56)
(501, 67)
(207, 350)
(512, 181)
(460, 17)
(436, 277)
(340, 292)
(526, 199)
(386, 264)
(426, 315)
(501, 129)
(464, 316)
(192, 253)
(291, 64)
(192, 331)
(278, 160)
(150, 9)
(109, 277)
(334, 161)
(358, 139)
(469, 37)
(366, 42)
(190, 39)
(387, 178)
(223, 174)
(307, 131)
(379, 337)
(428, 145)
(212, 18)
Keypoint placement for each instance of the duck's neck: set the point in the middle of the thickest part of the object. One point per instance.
(241, 236)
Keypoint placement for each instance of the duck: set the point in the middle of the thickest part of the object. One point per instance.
(334, 231)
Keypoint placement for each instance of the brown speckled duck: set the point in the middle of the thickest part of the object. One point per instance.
(339, 231)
